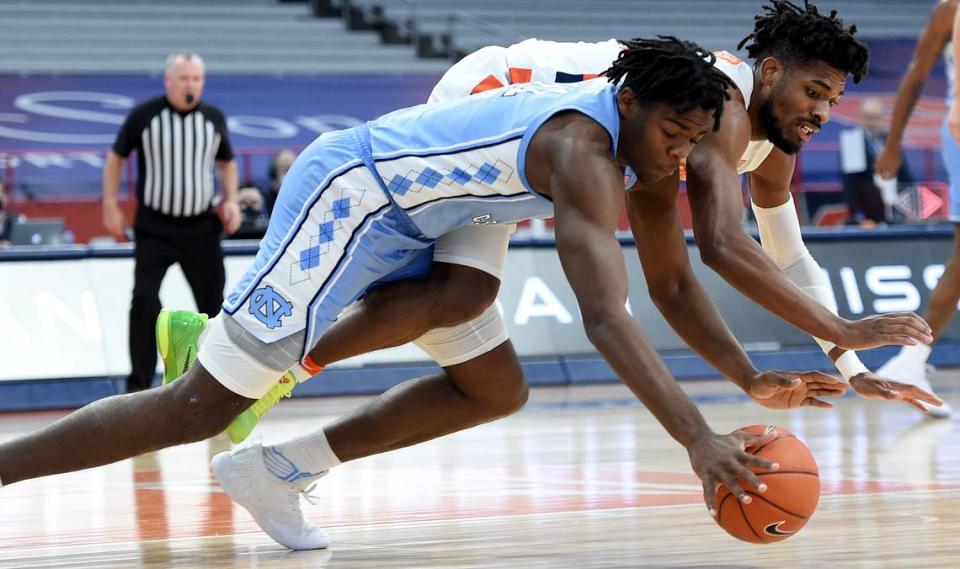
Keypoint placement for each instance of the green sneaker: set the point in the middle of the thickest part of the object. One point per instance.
(243, 425)
(177, 334)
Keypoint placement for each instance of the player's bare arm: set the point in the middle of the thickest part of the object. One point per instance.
(586, 186)
(770, 183)
(685, 305)
(713, 187)
(934, 38)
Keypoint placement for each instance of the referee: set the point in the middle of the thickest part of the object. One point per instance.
(178, 141)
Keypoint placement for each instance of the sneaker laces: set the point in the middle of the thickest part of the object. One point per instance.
(308, 495)
(293, 499)
(307, 492)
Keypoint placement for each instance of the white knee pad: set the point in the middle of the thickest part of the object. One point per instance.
(236, 368)
(463, 342)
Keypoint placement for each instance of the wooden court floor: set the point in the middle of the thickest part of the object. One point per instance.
(583, 477)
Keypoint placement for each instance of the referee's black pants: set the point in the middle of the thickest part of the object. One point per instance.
(159, 243)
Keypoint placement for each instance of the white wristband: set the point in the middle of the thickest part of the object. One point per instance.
(849, 365)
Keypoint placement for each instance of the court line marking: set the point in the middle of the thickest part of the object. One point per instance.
(486, 520)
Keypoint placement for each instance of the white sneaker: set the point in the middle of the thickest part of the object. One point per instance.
(273, 503)
(914, 373)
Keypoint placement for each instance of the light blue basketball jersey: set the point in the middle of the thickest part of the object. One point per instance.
(365, 204)
(464, 161)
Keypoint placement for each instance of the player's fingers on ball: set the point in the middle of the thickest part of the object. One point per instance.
(916, 404)
(730, 481)
(746, 438)
(755, 461)
(710, 494)
(752, 479)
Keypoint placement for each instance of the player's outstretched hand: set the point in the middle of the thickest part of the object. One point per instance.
(789, 389)
(872, 386)
(721, 459)
(895, 328)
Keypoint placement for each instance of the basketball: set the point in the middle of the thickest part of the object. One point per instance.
(791, 497)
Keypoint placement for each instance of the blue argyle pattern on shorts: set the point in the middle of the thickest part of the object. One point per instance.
(325, 232)
(416, 180)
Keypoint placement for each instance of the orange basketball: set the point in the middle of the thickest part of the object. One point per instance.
(791, 497)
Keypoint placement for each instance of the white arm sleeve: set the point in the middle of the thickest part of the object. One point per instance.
(781, 239)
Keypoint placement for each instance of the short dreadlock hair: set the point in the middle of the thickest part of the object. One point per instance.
(672, 71)
(799, 36)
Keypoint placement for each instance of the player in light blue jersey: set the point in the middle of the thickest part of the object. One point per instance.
(364, 205)
(801, 59)
(909, 365)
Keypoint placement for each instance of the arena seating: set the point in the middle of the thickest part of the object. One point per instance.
(234, 36)
(267, 36)
(470, 24)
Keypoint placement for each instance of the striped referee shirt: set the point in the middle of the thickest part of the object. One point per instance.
(175, 155)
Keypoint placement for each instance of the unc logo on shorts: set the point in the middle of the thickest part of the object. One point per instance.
(267, 306)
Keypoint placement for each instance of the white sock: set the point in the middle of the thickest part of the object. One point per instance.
(301, 460)
(916, 354)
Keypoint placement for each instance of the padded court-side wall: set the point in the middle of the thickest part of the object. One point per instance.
(63, 316)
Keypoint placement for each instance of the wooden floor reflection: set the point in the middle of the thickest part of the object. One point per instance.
(584, 477)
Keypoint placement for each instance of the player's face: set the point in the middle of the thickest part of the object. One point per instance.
(655, 139)
(799, 102)
(184, 84)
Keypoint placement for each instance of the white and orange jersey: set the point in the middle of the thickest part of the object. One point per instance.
(544, 61)
(742, 76)
(531, 60)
